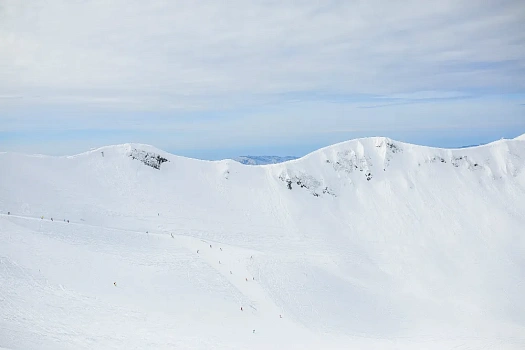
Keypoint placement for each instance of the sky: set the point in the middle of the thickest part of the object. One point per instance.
(216, 79)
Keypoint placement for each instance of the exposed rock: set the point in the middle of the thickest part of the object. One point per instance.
(150, 159)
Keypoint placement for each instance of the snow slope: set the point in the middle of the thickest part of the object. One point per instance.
(366, 244)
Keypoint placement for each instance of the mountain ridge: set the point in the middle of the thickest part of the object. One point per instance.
(376, 139)
(368, 243)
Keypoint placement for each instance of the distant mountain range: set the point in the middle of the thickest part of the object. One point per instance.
(262, 160)
(473, 145)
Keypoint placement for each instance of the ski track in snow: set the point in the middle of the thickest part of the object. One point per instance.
(222, 258)
(410, 248)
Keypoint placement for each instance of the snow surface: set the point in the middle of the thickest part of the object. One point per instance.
(366, 244)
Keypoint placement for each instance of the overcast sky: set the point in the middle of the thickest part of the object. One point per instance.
(214, 79)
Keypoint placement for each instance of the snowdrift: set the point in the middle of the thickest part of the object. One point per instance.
(370, 243)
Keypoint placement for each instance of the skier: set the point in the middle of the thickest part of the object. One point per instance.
(115, 284)
(241, 308)
(8, 213)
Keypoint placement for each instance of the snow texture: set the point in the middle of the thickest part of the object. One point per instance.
(367, 244)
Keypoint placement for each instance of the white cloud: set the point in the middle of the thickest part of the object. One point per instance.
(187, 55)
(423, 95)
(197, 74)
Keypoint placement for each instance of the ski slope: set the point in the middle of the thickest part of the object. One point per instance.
(367, 244)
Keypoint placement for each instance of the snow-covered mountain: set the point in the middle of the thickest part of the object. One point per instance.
(366, 244)
(263, 160)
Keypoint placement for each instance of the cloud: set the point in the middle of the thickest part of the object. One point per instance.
(182, 55)
(428, 95)
(197, 74)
